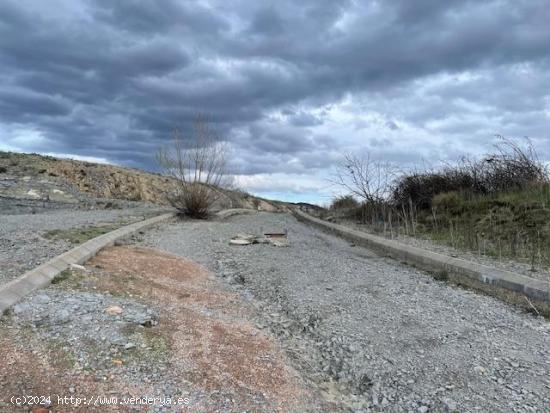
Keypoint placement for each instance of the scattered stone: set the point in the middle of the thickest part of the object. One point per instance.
(113, 310)
(450, 405)
(142, 316)
(129, 346)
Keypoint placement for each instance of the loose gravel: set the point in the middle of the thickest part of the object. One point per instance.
(371, 333)
(23, 247)
(139, 323)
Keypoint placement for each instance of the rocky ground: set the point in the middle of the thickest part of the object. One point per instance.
(23, 232)
(373, 334)
(318, 326)
(139, 324)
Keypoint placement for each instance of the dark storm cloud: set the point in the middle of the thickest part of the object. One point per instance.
(145, 18)
(19, 104)
(113, 78)
(267, 22)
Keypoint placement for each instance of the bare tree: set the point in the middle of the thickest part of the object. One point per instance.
(198, 166)
(368, 180)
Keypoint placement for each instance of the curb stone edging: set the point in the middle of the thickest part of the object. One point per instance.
(41, 276)
(432, 261)
(226, 213)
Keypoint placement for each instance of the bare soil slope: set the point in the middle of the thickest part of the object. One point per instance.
(32, 176)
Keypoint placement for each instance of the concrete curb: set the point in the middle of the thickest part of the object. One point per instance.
(42, 275)
(226, 213)
(431, 261)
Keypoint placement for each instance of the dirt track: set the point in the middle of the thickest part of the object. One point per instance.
(373, 333)
(318, 326)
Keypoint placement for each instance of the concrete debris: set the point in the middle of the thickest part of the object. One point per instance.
(237, 241)
(279, 242)
(277, 239)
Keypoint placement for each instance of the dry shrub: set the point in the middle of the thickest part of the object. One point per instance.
(198, 166)
(511, 166)
(344, 202)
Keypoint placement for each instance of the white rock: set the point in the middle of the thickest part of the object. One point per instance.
(33, 194)
(450, 405)
(113, 310)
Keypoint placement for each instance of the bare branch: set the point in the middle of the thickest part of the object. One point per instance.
(367, 179)
(198, 166)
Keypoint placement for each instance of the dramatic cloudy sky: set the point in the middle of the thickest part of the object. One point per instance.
(291, 84)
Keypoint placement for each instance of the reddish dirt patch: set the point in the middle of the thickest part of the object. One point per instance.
(159, 277)
(214, 350)
(211, 339)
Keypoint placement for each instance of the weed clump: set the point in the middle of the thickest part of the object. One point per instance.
(61, 277)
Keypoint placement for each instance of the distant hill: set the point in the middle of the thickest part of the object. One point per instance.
(38, 177)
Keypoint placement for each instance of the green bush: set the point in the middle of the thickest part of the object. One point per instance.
(447, 201)
(344, 202)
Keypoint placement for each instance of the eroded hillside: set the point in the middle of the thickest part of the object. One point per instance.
(37, 177)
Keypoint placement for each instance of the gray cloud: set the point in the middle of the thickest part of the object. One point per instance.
(23, 104)
(144, 18)
(291, 84)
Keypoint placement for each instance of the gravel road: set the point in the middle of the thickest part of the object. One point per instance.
(22, 246)
(371, 333)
